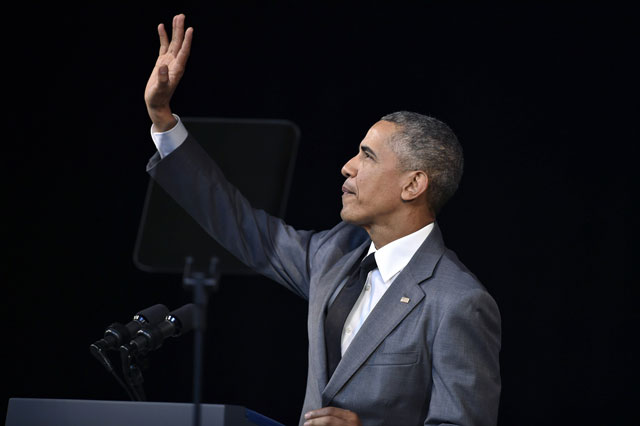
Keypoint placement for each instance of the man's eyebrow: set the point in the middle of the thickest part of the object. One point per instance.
(365, 148)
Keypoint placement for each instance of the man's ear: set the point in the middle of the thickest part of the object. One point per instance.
(416, 185)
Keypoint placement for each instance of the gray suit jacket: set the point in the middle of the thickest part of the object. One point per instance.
(432, 360)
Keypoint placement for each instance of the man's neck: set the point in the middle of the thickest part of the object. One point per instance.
(382, 235)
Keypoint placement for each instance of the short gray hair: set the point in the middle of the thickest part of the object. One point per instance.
(427, 144)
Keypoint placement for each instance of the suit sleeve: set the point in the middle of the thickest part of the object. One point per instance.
(261, 241)
(465, 364)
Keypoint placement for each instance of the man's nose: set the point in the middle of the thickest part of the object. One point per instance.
(350, 169)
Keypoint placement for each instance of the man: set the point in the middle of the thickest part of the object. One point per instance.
(411, 340)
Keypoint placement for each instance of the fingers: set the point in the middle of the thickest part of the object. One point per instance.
(331, 411)
(164, 40)
(177, 34)
(185, 49)
(331, 416)
(180, 44)
(163, 76)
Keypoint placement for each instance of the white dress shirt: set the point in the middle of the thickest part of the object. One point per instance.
(391, 258)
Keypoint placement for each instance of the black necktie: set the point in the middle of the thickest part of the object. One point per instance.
(339, 311)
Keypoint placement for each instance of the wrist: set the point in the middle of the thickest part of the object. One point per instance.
(162, 120)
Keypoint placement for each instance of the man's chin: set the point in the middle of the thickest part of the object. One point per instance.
(344, 215)
(349, 218)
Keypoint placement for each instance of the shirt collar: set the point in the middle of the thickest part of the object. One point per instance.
(393, 257)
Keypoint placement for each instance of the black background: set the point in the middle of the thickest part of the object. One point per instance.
(542, 97)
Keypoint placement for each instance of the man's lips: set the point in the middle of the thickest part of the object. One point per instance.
(346, 190)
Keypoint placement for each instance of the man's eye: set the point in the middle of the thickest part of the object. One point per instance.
(366, 154)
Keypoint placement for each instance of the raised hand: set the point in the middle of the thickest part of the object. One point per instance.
(167, 73)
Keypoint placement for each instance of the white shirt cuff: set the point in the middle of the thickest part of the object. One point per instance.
(167, 142)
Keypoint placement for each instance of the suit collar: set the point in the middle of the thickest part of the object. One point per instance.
(422, 264)
(393, 257)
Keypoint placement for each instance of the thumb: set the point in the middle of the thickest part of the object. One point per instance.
(163, 75)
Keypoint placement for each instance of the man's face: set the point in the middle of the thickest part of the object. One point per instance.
(371, 194)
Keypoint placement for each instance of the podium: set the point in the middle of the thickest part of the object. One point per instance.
(73, 412)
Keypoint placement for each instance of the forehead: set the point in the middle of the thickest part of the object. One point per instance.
(379, 134)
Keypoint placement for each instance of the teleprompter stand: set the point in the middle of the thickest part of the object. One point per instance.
(200, 283)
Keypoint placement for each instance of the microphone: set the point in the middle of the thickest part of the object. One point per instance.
(118, 334)
(176, 323)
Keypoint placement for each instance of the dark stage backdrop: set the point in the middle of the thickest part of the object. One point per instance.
(543, 98)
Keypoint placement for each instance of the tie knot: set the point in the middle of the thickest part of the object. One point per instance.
(368, 263)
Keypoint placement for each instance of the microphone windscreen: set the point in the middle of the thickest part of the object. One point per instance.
(185, 315)
(153, 314)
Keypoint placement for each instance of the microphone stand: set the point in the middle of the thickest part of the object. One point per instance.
(132, 372)
(98, 352)
(199, 282)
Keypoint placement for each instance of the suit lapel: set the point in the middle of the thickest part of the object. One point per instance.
(333, 280)
(388, 313)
